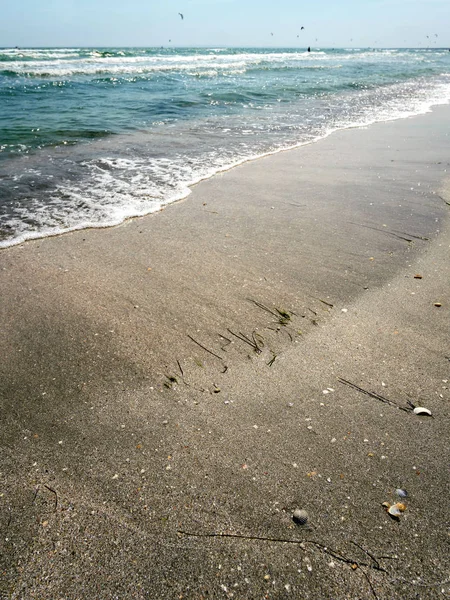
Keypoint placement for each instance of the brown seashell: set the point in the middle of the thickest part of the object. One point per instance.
(417, 276)
(394, 511)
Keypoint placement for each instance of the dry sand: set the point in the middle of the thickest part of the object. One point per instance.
(138, 464)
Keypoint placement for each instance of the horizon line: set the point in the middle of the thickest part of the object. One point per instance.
(23, 47)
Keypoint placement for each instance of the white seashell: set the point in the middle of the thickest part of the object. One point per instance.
(420, 410)
(300, 516)
(401, 493)
(394, 511)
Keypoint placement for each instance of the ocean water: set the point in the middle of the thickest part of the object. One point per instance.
(92, 136)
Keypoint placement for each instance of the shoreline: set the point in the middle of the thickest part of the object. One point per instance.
(172, 387)
(189, 186)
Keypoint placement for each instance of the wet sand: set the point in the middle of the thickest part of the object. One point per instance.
(173, 388)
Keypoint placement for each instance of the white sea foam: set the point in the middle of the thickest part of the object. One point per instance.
(111, 198)
(68, 64)
(92, 67)
(149, 169)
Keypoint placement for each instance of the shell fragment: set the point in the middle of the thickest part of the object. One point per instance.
(300, 516)
(420, 410)
(394, 511)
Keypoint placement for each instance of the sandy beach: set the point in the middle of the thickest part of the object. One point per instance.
(173, 388)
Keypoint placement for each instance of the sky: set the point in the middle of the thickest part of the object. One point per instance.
(214, 23)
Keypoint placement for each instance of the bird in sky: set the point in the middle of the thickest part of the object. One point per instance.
(181, 15)
(301, 28)
(271, 34)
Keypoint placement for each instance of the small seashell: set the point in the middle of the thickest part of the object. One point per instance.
(300, 516)
(401, 507)
(386, 505)
(420, 410)
(401, 493)
(394, 511)
(438, 304)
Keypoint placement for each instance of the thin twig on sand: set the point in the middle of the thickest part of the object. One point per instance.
(369, 554)
(370, 584)
(272, 360)
(53, 492)
(323, 547)
(416, 237)
(252, 343)
(320, 300)
(282, 316)
(263, 307)
(228, 341)
(400, 237)
(374, 395)
(206, 349)
(443, 199)
(179, 366)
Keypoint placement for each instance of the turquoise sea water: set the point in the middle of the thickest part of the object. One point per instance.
(92, 136)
